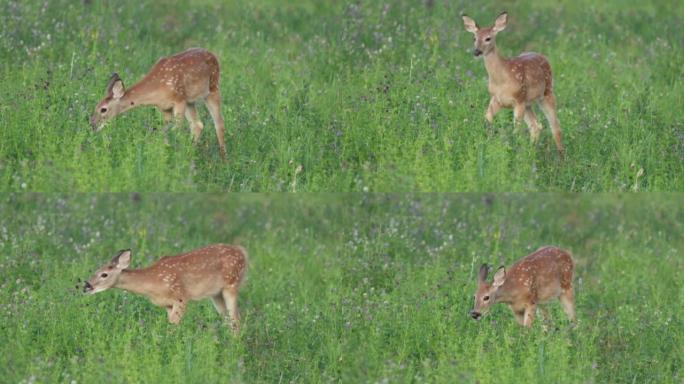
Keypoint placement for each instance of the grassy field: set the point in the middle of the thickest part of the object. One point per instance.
(343, 288)
(342, 96)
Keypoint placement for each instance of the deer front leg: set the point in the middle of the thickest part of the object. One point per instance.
(167, 117)
(176, 312)
(492, 109)
(529, 315)
(519, 316)
(179, 112)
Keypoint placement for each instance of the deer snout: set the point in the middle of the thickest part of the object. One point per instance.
(87, 287)
(474, 314)
(94, 123)
(477, 52)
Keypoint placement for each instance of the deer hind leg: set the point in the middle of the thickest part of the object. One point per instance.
(518, 114)
(195, 123)
(176, 312)
(230, 296)
(219, 304)
(546, 316)
(492, 109)
(214, 106)
(567, 299)
(548, 105)
(532, 124)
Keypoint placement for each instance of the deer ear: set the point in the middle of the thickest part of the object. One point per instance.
(500, 23)
(499, 277)
(118, 89)
(115, 88)
(469, 24)
(482, 276)
(122, 260)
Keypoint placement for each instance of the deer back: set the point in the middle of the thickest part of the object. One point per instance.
(540, 276)
(200, 273)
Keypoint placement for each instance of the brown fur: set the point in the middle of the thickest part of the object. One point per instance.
(516, 82)
(215, 271)
(174, 85)
(538, 278)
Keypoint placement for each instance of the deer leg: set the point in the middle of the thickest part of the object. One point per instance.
(548, 105)
(567, 299)
(219, 304)
(195, 123)
(178, 112)
(230, 296)
(176, 312)
(518, 114)
(167, 117)
(546, 315)
(214, 106)
(492, 109)
(532, 124)
(519, 317)
(529, 315)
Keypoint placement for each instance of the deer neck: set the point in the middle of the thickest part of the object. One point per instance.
(137, 95)
(496, 67)
(136, 281)
(503, 294)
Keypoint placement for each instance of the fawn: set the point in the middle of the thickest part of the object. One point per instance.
(174, 85)
(214, 271)
(517, 82)
(538, 278)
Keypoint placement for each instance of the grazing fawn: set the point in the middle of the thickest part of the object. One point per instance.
(174, 85)
(517, 82)
(214, 271)
(538, 278)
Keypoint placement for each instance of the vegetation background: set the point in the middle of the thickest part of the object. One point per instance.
(343, 288)
(342, 96)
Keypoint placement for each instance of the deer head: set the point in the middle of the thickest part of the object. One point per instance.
(107, 276)
(485, 38)
(111, 105)
(486, 293)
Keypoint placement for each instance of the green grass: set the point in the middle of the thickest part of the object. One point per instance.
(376, 96)
(343, 288)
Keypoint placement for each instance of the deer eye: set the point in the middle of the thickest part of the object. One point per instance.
(486, 298)
(103, 110)
(103, 275)
(488, 39)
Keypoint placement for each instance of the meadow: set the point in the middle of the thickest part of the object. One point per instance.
(348, 288)
(342, 96)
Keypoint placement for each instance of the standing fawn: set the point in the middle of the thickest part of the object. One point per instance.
(214, 271)
(538, 278)
(174, 85)
(516, 82)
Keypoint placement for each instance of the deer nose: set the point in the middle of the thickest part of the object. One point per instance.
(477, 52)
(87, 287)
(475, 315)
